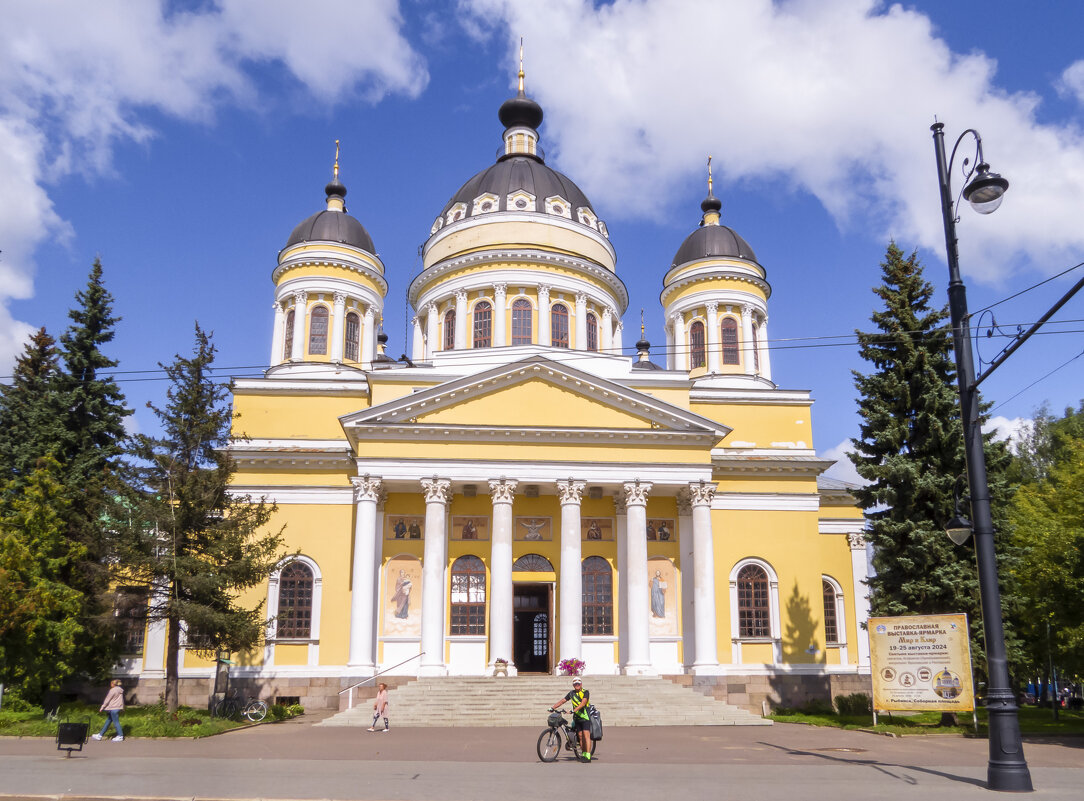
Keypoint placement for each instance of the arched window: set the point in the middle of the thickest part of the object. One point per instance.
(522, 322)
(318, 331)
(449, 330)
(468, 596)
(353, 337)
(598, 596)
(559, 325)
(592, 332)
(696, 345)
(754, 603)
(831, 619)
(532, 563)
(483, 324)
(288, 346)
(730, 341)
(295, 602)
(756, 347)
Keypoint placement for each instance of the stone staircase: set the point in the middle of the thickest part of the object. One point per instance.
(523, 701)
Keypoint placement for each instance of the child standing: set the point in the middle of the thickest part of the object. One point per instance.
(380, 707)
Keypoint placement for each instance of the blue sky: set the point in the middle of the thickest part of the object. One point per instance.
(183, 141)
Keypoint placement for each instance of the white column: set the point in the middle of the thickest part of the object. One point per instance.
(543, 315)
(581, 321)
(747, 343)
(417, 352)
(500, 313)
(434, 558)
(431, 336)
(460, 320)
(154, 642)
(301, 326)
(617, 337)
(378, 561)
(765, 358)
(278, 334)
(669, 329)
(713, 337)
(571, 590)
(688, 562)
(338, 323)
(362, 614)
(859, 574)
(368, 336)
(639, 600)
(622, 578)
(681, 347)
(707, 657)
(501, 613)
(607, 330)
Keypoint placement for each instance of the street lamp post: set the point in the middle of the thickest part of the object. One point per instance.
(1007, 770)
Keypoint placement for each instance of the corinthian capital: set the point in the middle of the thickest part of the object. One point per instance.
(857, 541)
(684, 502)
(570, 491)
(502, 490)
(636, 493)
(339, 298)
(366, 488)
(436, 489)
(701, 494)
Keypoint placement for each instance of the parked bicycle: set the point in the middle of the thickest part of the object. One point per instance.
(234, 706)
(558, 735)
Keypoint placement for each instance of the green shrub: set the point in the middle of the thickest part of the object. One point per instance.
(854, 704)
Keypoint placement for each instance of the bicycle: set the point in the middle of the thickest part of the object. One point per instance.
(233, 706)
(560, 734)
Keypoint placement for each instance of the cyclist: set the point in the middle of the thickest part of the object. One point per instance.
(581, 723)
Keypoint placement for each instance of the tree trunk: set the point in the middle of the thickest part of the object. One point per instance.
(173, 647)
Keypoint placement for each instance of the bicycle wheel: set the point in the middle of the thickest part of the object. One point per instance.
(549, 745)
(228, 708)
(256, 711)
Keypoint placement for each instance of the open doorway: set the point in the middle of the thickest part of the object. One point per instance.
(532, 629)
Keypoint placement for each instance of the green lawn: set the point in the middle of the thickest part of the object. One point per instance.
(137, 721)
(1032, 721)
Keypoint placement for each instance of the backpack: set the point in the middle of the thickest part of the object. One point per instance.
(595, 717)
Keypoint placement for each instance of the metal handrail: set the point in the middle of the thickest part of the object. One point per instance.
(350, 689)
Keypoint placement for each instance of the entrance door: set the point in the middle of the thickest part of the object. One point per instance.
(532, 630)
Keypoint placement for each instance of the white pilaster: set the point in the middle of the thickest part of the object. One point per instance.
(639, 600)
(501, 613)
(500, 313)
(571, 590)
(461, 319)
(368, 337)
(622, 578)
(338, 323)
(859, 574)
(154, 641)
(617, 337)
(278, 334)
(669, 331)
(747, 343)
(581, 321)
(607, 330)
(432, 343)
(434, 558)
(765, 354)
(544, 325)
(707, 657)
(688, 562)
(417, 352)
(362, 613)
(681, 345)
(713, 337)
(301, 326)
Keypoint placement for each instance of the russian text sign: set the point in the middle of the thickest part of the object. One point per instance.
(921, 662)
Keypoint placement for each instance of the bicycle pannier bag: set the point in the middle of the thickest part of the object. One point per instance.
(596, 721)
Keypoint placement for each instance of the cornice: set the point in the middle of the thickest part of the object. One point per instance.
(758, 396)
(530, 217)
(535, 435)
(280, 385)
(711, 268)
(733, 465)
(329, 258)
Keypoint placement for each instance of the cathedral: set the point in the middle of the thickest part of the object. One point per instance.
(528, 489)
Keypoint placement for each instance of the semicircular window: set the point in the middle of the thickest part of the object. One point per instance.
(532, 563)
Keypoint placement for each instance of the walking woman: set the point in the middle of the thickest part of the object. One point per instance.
(112, 705)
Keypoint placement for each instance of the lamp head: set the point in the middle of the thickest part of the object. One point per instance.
(958, 529)
(986, 190)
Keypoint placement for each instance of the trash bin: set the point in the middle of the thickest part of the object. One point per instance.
(71, 736)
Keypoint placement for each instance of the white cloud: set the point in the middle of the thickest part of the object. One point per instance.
(79, 77)
(843, 469)
(1014, 430)
(1072, 81)
(830, 97)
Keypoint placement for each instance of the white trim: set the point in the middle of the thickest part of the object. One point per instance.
(313, 639)
(536, 217)
(841, 525)
(765, 502)
(337, 496)
(766, 396)
(775, 622)
(841, 619)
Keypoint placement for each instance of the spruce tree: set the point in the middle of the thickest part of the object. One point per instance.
(31, 406)
(188, 544)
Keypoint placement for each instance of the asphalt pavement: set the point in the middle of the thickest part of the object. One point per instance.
(295, 760)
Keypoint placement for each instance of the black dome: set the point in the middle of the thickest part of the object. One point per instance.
(520, 110)
(513, 173)
(332, 226)
(711, 241)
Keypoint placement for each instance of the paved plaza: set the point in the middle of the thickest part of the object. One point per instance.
(294, 760)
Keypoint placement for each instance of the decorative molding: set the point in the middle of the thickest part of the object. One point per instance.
(301, 297)
(317, 496)
(436, 490)
(684, 502)
(502, 490)
(701, 494)
(712, 307)
(636, 493)
(856, 542)
(570, 491)
(339, 298)
(406, 473)
(620, 507)
(366, 488)
(765, 502)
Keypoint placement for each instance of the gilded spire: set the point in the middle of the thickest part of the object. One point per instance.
(710, 194)
(641, 322)
(521, 75)
(335, 190)
(335, 169)
(711, 205)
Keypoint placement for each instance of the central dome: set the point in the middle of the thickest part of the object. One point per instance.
(514, 174)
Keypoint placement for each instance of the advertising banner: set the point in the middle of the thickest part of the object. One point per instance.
(921, 662)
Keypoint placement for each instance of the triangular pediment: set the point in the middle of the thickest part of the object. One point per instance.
(531, 394)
